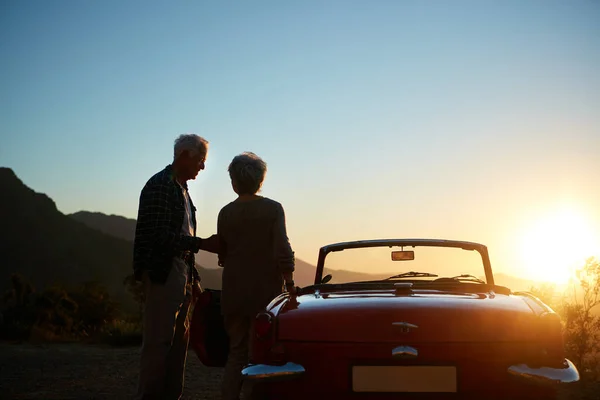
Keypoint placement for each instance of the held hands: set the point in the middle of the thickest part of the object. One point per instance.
(210, 244)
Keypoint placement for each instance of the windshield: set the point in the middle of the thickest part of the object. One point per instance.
(375, 263)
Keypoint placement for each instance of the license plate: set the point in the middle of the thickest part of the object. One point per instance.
(412, 379)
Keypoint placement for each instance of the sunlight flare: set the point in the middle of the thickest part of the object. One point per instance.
(556, 244)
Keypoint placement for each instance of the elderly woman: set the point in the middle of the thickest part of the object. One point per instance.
(257, 258)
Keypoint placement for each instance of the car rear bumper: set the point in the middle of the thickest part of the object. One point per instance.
(289, 381)
(271, 373)
(546, 375)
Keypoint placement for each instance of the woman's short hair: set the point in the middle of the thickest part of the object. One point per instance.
(191, 143)
(247, 171)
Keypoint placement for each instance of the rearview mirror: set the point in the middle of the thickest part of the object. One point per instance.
(326, 278)
(403, 255)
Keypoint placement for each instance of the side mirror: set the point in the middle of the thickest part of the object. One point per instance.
(326, 278)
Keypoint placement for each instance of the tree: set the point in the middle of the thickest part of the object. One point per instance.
(579, 309)
(55, 312)
(582, 326)
(95, 308)
(20, 292)
(547, 293)
(18, 309)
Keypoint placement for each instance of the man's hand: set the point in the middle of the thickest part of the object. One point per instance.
(210, 244)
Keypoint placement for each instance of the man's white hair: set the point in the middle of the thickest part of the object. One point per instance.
(190, 142)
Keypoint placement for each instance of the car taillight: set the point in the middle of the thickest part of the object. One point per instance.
(263, 325)
(263, 339)
(551, 338)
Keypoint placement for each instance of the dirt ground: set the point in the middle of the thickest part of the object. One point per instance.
(80, 371)
(83, 371)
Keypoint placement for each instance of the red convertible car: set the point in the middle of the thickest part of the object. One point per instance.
(433, 330)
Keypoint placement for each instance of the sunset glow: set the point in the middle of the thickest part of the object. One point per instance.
(557, 243)
(406, 119)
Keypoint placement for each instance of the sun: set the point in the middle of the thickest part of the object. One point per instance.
(557, 243)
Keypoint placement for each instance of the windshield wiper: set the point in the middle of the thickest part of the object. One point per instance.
(412, 274)
(467, 277)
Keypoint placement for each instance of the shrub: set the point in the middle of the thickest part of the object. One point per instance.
(578, 308)
(122, 333)
(57, 313)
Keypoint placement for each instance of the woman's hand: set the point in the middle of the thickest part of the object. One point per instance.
(291, 288)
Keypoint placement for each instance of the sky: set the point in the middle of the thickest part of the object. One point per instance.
(470, 120)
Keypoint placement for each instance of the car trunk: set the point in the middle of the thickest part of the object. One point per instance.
(424, 316)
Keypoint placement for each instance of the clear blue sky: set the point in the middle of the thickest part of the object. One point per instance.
(474, 120)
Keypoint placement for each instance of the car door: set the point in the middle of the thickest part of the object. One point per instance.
(208, 338)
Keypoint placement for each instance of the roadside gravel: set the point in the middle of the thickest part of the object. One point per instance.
(80, 371)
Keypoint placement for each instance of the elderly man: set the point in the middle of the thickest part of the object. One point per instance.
(163, 259)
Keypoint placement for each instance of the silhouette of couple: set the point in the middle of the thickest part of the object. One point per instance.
(252, 246)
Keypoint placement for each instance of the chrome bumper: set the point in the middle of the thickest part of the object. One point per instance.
(546, 375)
(263, 372)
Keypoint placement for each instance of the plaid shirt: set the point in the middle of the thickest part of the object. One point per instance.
(158, 232)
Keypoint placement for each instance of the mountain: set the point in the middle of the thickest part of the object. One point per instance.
(207, 263)
(124, 228)
(46, 246)
(114, 225)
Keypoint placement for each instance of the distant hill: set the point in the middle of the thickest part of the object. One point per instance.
(46, 246)
(114, 225)
(514, 283)
(209, 270)
(122, 227)
(340, 275)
